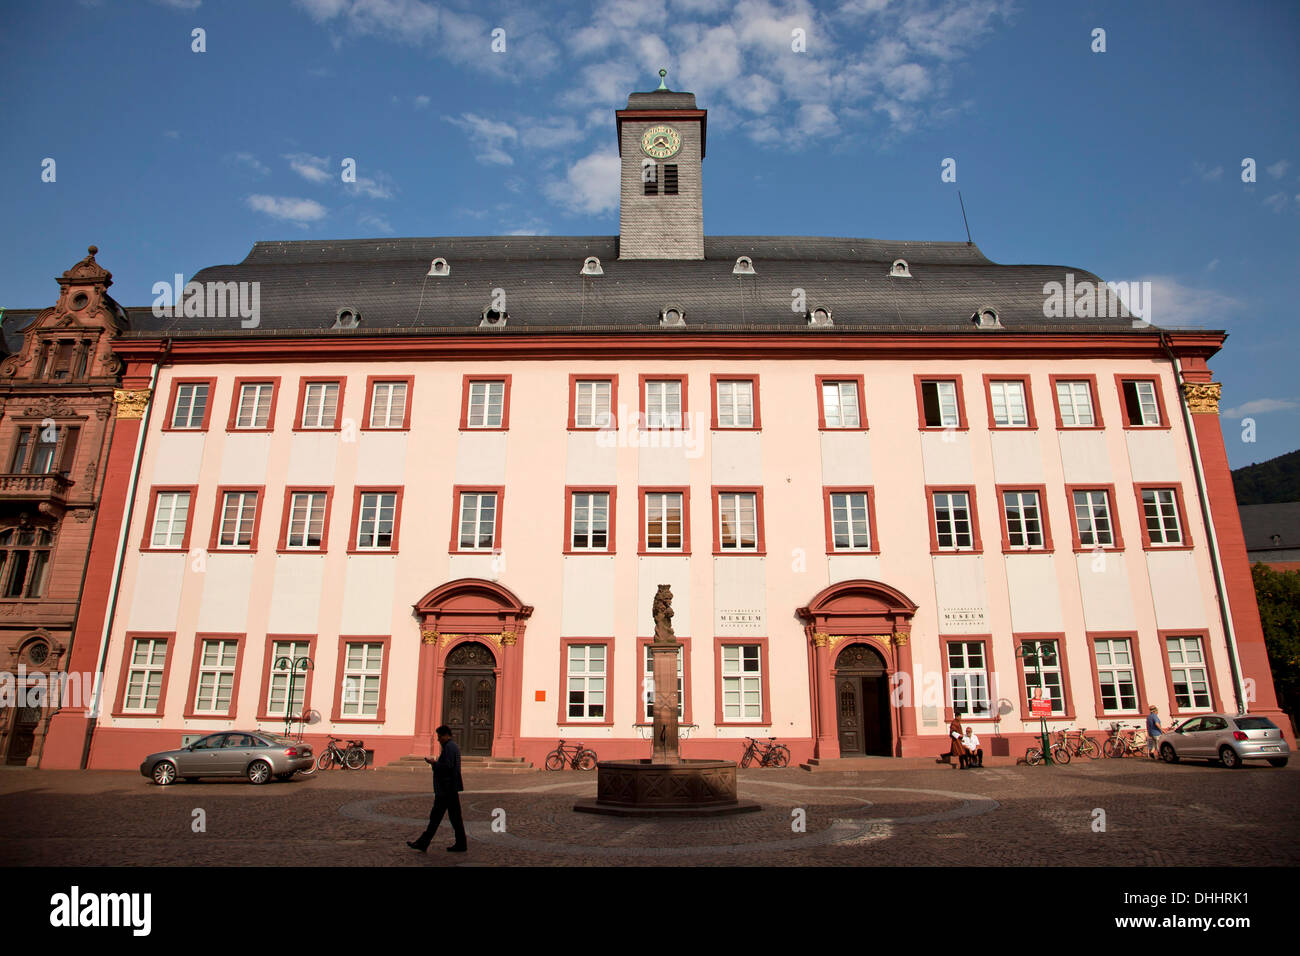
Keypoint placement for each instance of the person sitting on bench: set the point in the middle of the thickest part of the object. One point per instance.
(974, 756)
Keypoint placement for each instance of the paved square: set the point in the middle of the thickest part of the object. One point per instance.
(1154, 815)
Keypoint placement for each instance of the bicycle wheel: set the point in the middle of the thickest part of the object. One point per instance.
(554, 761)
(1089, 748)
(354, 759)
(1112, 747)
(587, 760)
(780, 756)
(745, 758)
(1033, 756)
(326, 761)
(1061, 754)
(310, 770)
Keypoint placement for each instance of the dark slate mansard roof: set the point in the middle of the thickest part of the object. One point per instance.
(304, 284)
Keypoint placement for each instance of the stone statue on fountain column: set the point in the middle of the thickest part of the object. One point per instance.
(663, 657)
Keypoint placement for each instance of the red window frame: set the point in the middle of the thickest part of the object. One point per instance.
(574, 379)
(146, 539)
(765, 674)
(1114, 518)
(860, 380)
(1025, 637)
(466, 382)
(715, 493)
(1157, 387)
(1132, 638)
(338, 380)
(963, 423)
(282, 545)
(977, 544)
(274, 382)
(714, 381)
(1097, 420)
(643, 418)
(1216, 702)
(218, 513)
(949, 711)
(456, 491)
(870, 492)
(371, 382)
(569, 492)
(685, 492)
(176, 383)
(268, 663)
(1041, 490)
(397, 490)
(1177, 489)
(1024, 380)
(344, 640)
(128, 640)
(196, 658)
(562, 717)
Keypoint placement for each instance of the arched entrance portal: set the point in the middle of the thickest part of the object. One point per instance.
(858, 639)
(471, 649)
(862, 702)
(469, 697)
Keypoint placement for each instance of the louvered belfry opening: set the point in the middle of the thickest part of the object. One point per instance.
(670, 179)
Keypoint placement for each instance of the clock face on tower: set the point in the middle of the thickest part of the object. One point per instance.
(661, 142)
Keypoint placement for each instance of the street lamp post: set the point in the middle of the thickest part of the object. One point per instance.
(292, 665)
(1031, 652)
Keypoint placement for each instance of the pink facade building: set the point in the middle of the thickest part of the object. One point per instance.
(452, 473)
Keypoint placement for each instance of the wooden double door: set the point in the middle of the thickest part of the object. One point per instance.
(862, 703)
(469, 698)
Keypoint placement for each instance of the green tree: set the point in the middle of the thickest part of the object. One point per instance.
(1278, 595)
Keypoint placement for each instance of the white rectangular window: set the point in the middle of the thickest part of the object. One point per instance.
(591, 404)
(254, 404)
(238, 514)
(590, 521)
(663, 521)
(742, 682)
(478, 521)
(939, 400)
(278, 702)
(1009, 407)
(738, 521)
(663, 404)
(191, 404)
(1189, 673)
(1140, 403)
(376, 520)
(968, 679)
(1116, 676)
(306, 520)
(735, 404)
(171, 513)
(1024, 517)
(1160, 509)
(649, 684)
(952, 520)
(1074, 400)
(1092, 518)
(586, 682)
(320, 404)
(216, 677)
(1045, 674)
(486, 402)
(388, 405)
(840, 405)
(145, 677)
(850, 522)
(363, 669)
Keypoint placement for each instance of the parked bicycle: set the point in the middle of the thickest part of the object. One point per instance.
(351, 757)
(770, 754)
(1125, 742)
(1060, 754)
(1077, 743)
(576, 757)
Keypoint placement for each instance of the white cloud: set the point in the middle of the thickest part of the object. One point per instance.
(250, 162)
(1278, 169)
(1174, 303)
(591, 186)
(1277, 202)
(380, 186)
(375, 222)
(421, 101)
(489, 137)
(180, 4)
(1208, 174)
(1261, 406)
(1212, 265)
(311, 168)
(288, 208)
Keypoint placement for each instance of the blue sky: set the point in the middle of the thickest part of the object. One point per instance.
(1127, 163)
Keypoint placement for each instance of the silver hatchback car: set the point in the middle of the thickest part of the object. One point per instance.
(257, 755)
(1229, 739)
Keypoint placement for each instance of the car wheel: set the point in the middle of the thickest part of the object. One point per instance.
(259, 771)
(164, 773)
(1228, 757)
(1168, 754)
(1277, 761)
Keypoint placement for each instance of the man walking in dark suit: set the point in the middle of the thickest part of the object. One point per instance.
(447, 786)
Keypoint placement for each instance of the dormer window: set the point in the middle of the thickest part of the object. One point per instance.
(439, 267)
(899, 269)
(591, 267)
(744, 267)
(986, 319)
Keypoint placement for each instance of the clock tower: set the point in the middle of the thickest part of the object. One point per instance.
(661, 144)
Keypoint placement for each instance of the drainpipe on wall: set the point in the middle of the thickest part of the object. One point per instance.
(111, 611)
(1225, 610)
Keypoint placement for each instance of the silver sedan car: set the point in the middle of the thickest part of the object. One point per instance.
(1226, 738)
(257, 755)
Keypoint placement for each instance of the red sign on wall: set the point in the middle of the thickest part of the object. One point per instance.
(1040, 706)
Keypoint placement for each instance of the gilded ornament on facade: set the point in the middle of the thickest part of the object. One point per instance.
(820, 640)
(428, 635)
(1202, 397)
(131, 403)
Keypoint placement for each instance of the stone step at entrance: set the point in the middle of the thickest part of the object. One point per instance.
(412, 763)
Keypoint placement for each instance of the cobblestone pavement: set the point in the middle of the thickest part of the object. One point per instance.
(1154, 815)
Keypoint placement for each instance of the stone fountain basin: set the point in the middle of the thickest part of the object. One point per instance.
(685, 789)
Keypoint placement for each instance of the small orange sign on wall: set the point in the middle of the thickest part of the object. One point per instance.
(539, 695)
